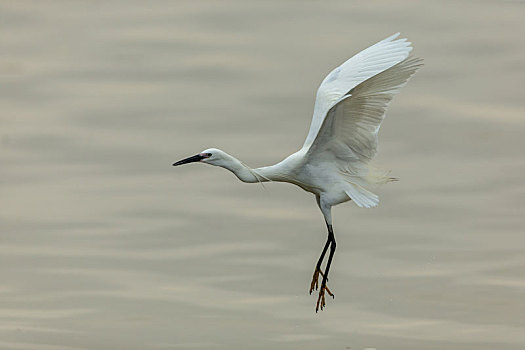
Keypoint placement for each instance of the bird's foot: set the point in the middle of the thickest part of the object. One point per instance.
(315, 281)
(321, 302)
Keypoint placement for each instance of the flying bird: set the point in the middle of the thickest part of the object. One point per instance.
(334, 162)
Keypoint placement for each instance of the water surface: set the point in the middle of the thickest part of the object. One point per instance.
(104, 245)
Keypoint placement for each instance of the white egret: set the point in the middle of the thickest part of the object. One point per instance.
(333, 163)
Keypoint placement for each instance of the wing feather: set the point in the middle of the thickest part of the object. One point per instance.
(354, 71)
(350, 128)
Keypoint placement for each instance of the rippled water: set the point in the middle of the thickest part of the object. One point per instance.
(104, 245)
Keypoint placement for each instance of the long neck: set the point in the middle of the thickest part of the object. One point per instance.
(247, 174)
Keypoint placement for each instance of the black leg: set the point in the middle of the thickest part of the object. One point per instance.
(321, 258)
(321, 299)
(331, 237)
(313, 285)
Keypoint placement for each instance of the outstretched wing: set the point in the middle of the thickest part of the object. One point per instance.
(366, 64)
(349, 130)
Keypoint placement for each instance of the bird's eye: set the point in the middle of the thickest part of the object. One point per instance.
(205, 155)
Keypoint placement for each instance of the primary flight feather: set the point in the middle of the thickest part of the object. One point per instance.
(333, 163)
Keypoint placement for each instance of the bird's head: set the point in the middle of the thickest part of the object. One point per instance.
(211, 156)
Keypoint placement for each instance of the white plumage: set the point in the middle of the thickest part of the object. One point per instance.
(333, 163)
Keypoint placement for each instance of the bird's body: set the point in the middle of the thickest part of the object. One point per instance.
(319, 178)
(334, 162)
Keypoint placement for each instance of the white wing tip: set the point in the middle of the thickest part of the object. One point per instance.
(392, 37)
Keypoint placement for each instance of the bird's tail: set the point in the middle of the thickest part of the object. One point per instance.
(360, 175)
(361, 196)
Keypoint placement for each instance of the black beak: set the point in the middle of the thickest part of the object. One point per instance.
(191, 159)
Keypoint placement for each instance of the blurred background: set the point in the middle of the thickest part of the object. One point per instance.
(104, 245)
